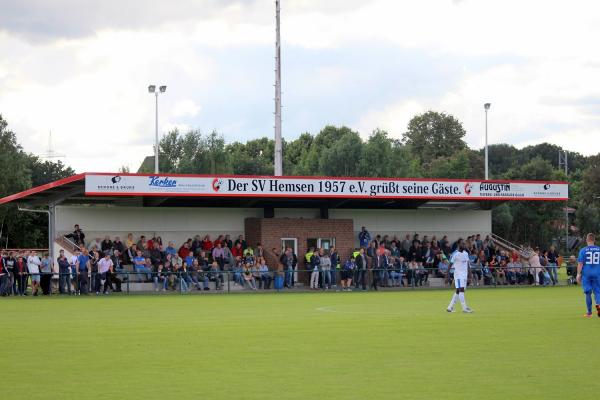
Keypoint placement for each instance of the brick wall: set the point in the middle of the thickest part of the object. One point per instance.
(270, 231)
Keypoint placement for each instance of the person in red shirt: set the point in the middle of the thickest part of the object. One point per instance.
(184, 251)
(21, 275)
(237, 250)
(207, 244)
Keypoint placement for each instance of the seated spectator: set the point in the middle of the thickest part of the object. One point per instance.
(442, 266)
(160, 279)
(171, 249)
(237, 250)
(218, 255)
(238, 269)
(106, 246)
(265, 275)
(571, 268)
(96, 244)
(249, 277)
(216, 275)
(118, 245)
(196, 275)
(207, 244)
(129, 241)
(397, 271)
(140, 267)
(184, 251)
(242, 241)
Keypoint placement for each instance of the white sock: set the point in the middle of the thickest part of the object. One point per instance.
(461, 296)
(453, 301)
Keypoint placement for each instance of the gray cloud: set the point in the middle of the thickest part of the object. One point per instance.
(56, 19)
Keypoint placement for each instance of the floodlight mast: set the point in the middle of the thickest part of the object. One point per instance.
(152, 89)
(278, 167)
(486, 106)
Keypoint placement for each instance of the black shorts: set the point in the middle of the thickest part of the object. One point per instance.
(347, 274)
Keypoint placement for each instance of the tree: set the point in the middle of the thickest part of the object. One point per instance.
(432, 135)
(376, 157)
(342, 159)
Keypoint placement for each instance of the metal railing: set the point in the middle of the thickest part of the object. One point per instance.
(129, 282)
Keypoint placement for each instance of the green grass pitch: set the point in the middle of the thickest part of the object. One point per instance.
(530, 343)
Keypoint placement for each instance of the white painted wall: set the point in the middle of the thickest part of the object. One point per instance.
(178, 224)
(455, 224)
(175, 224)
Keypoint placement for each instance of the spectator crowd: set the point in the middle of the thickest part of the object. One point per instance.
(102, 265)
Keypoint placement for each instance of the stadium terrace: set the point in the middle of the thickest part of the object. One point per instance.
(280, 213)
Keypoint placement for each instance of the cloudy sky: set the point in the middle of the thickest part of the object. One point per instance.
(80, 68)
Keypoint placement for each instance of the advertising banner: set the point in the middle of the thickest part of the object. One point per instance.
(320, 187)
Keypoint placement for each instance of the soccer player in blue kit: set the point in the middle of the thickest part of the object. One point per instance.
(588, 273)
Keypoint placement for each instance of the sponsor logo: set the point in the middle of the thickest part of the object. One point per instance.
(115, 179)
(216, 184)
(468, 188)
(165, 182)
(494, 187)
(546, 186)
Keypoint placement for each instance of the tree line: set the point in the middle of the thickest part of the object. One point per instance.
(433, 146)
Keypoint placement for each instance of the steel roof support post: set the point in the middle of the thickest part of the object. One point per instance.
(51, 232)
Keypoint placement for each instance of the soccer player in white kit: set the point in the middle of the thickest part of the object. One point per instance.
(460, 262)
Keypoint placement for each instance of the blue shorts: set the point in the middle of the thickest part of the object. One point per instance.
(590, 281)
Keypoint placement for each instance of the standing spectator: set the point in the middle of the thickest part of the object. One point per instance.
(361, 267)
(10, 264)
(46, 275)
(315, 262)
(4, 276)
(260, 251)
(22, 275)
(113, 273)
(33, 266)
(95, 281)
(77, 236)
(325, 267)
(346, 274)
(287, 261)
(104, 266)
(335, 265)
(553, 264)
(83, 267)
(364, 237)
(238, 269)
(406, 243)
(64, 273)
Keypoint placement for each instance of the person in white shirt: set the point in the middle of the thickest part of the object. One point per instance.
(33, 266)
(460, 263)
(73, 268)
(105, 266)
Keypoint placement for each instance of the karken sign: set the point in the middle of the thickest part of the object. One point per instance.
(248, 186)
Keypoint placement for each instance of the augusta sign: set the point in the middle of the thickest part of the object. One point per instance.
(320, 187)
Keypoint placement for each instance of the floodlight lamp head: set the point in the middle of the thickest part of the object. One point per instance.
(487, 106)
(151, 88)
(163, 89)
